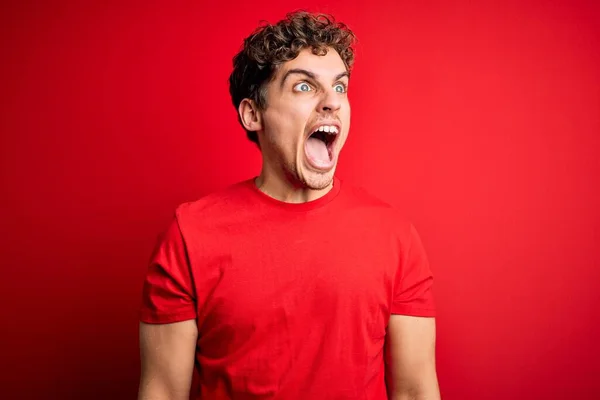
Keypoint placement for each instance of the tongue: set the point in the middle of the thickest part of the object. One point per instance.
(317, 150)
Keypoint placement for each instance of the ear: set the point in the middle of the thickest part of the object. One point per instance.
(250, 115)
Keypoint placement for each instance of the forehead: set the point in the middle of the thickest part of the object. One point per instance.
(325, 67)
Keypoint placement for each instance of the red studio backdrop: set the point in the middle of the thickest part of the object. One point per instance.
(480, 120)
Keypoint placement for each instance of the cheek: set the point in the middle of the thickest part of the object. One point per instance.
(282, 130)
(287, 117)
(291, 123)
(346, 117)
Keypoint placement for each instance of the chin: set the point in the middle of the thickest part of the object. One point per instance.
(316, 180)
(309, 175)
(319, 184)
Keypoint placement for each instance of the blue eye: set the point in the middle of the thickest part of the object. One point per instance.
(340, 88)
(302, 87)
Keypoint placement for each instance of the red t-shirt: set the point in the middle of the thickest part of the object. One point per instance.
(291, 300)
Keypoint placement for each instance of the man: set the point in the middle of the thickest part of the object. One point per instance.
(293, 284)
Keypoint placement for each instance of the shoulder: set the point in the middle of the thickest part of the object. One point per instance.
(213, 206)
(373, 207)
(372, 213)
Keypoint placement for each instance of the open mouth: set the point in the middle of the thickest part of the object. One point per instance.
(320, 145)
(325, 137)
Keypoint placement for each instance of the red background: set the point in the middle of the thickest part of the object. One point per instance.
(481, 121)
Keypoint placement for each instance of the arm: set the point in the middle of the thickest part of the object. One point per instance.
(410, 359)
(167, 360)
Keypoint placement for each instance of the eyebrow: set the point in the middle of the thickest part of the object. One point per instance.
(310, 74)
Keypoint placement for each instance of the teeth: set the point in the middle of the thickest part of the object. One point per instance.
(328, 129)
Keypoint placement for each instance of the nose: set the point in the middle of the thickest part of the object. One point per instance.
(330, 101)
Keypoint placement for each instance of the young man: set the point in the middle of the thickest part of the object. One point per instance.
(293, 284)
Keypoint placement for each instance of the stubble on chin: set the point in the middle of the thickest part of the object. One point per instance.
(301, 176)
(313, 180)
(320, 181)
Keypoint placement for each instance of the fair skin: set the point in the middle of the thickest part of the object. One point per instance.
(167, 354)
(410, 359)
(306, 92)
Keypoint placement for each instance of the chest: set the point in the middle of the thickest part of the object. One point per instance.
(253, 281)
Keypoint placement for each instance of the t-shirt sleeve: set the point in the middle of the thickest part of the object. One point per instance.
(413, 293)
(168, 290)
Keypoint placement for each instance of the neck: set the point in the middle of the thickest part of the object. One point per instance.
(282, 187)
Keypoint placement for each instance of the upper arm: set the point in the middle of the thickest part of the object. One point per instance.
(168, 331)
(167, 354)
(410, 358)
(411, 332)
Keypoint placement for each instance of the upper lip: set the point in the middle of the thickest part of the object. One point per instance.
(323, 123)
